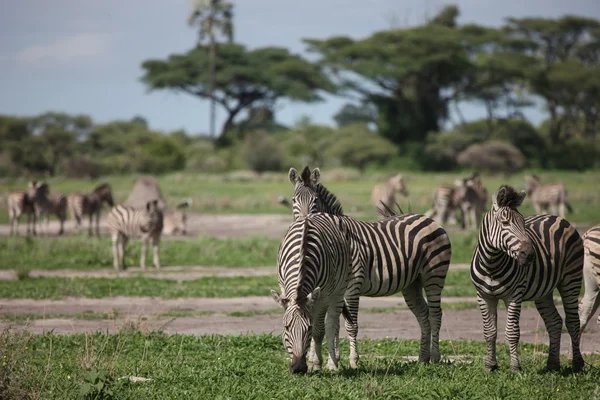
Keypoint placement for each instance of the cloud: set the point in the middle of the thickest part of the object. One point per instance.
(68, 49)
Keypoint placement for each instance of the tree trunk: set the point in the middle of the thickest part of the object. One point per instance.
(225, 138)
(212, 62)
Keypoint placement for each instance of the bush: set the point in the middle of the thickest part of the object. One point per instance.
(159, 155)
(493, 156)
(442, 150)
(81, 168)
(576, 154)
(262, 152)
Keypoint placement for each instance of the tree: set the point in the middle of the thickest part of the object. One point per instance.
(213, 17)
(243, 78)
(352, 114)
(494, 156)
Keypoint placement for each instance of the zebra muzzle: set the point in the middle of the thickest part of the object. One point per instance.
(298, 365)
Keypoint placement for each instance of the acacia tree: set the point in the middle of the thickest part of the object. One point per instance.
(213, 18)
(243, 78)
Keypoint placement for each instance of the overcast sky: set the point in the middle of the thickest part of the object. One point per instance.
(81, 56)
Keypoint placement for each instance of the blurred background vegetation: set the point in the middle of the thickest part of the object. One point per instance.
(402, 86)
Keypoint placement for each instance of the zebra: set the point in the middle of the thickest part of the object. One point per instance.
(90, 204)
(591, 276)
(544, 197)
(314, 271)
(385, 193)
(444, 206)
(22, 203)
(521, 259)
(125, 223)
(405, 253)
(46, 203)
(175, 221)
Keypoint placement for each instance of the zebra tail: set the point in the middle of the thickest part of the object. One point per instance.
(347, 315)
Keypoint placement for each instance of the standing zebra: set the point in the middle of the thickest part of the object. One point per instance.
(521, 259)
(544, 197)
(125, 223)
(46, 203)
(22, 203)
(405, 253)
(90, 204)
(385, 193)
(591, 276)
(314, 270)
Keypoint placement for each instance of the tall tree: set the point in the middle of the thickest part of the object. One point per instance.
(243, 78)
(213, 18)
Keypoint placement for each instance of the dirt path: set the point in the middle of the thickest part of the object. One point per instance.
(178, 273)
(457, 325)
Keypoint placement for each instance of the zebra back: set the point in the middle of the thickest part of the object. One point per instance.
(131, 222)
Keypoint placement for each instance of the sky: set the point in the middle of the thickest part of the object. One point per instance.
(84, 56)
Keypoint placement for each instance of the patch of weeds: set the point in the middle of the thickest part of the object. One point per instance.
(23, 273)
(17, 377)
(100, 385)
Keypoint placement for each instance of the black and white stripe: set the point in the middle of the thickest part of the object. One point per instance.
(408, 253)
(591, 276)
(546, 198)
(90, 204)
(21, 203)
(125, 223)
(521, 259)
(314, 271)
(46, 203)
(383, 196)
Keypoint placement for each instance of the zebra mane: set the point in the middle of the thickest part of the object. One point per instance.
(330, 202)
(507, 196)
(101, 188)
(301, 269)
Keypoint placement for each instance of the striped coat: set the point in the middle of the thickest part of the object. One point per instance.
(408, 253)
(591, 275)
(546, 198)
(383, 196)
(314, 270)
(125, 223)
(524, 259)
(50, 203)
(20, 203)
(90, 204)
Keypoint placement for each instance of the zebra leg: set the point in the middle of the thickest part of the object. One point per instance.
(489, 314)
(155, 252)
(332, 332)
(90, 225)
(590, 301)
(316, 356)
(553, 323)
(97, 224)
(115, 250)
(144, 251)
(413, 295)
(62, 224)
(433, 290)
(34, 217)
(570, 299)
(352, 329)
(513, 332)
(11, 215)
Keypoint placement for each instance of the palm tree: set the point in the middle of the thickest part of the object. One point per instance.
(213, 18)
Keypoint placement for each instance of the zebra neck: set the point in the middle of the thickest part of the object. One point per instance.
(491, 261)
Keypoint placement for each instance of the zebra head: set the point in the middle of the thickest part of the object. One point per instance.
(104, 193)
(504, 226)
(398, 184)
(37, 190)
(305, 198)
(297, 327)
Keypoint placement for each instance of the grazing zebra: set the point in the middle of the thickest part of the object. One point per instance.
(314, 271)
(125, 223)
(544, 197)
(22, 203)
(175, 221)
(90, 204)
(405, 253)
(46, 203)
(591, 276)
(385, 193)
(521, 259)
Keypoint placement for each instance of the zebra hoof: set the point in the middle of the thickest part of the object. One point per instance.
(314, 367)
(515, 368)
(578, 364)
(491, 368)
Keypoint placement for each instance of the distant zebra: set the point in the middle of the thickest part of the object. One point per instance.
(125, 223)
(385, 193)
(521, 259)
(591, 276)
(175, 221)
(405, 253)
(544, 197)
(90, 204)
(50, 203)
(22, 203)
(314, 271)
(444, 206)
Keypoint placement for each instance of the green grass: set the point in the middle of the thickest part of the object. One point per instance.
(242, 192)
(256, 367)
(74, 252)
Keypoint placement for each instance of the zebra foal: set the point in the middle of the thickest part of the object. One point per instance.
(314, 270)
(408, 253)
(521, 259)
(591, 276)
(90, 204)
(125, 223)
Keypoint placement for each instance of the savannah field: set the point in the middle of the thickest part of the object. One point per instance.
(204, 326)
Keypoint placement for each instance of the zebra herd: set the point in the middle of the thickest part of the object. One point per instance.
(327, 260)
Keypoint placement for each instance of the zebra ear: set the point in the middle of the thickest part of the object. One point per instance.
(314, 296)
(315, 177)
(498, 197)
(294, 176)
(282, 301)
